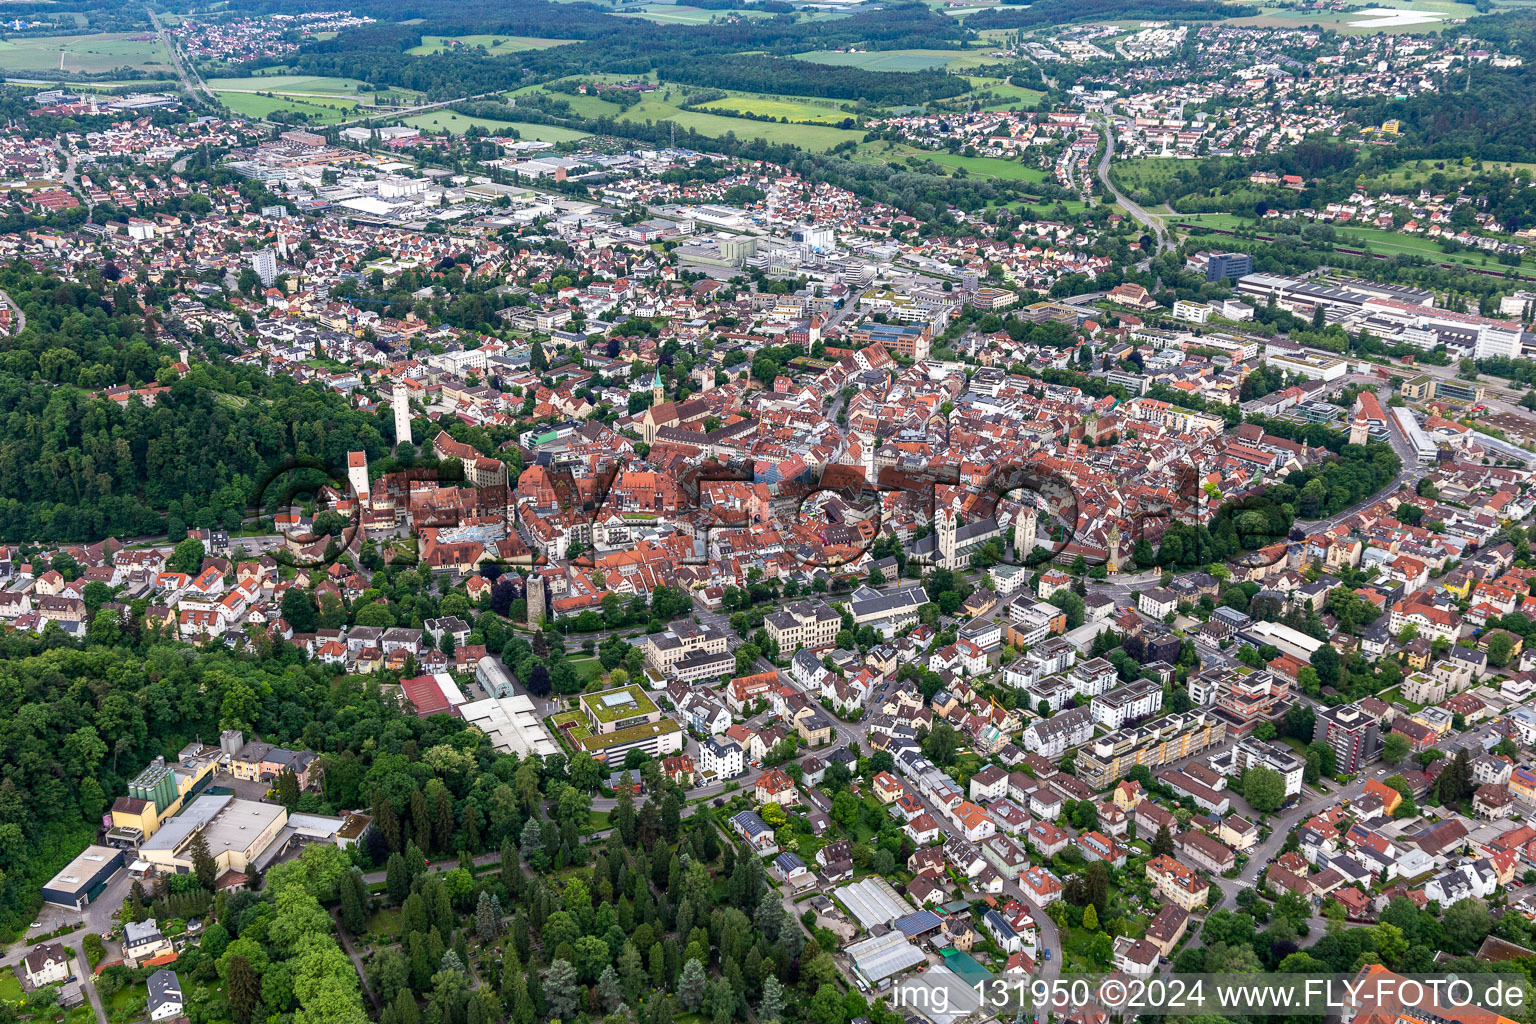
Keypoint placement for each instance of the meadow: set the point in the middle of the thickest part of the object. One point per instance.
(1005, 96)
(496, 45)
(305, 86)
(894, 60)
(458, 124)
(320, 111)
(789, 107)
(84, 54)
(1135, 175)
(807, 136)
(1387, 243)
(989, 167)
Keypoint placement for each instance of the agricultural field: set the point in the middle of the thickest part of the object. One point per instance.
(84, 54)
(894, 60)
(496, 45)
(792, 108)
(320, 111)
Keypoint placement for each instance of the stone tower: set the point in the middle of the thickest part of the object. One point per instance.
(1024, 526)
(1359, 429)
(658, 390)
(535, 600)
(402, 415)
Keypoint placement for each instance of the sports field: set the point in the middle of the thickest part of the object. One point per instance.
(87, 54)
(495, 44)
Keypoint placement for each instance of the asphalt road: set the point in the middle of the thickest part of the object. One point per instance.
(1151, 223)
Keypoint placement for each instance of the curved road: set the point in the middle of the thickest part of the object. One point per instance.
(1153, 224)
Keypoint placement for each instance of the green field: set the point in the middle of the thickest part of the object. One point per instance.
(989, 167)
(306, 87)
(812, 137)
(1417, 173)
(1134, 175)
(788, 107)
(589, 106)
(1387, 243)
(90, 54)
(658, 107)
(495, 44)
(458, 124)
(1006, 96)
(984, 166)
(893, 60)
(319, 111)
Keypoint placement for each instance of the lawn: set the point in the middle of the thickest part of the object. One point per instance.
(129, 999)
(384, 923)
(892, 60)
(587, 668)
(91, 54)
(319, 111)
(788, 107)
(10, 987)
(495, 44)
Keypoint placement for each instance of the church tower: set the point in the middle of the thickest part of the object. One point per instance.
(946, 535)
(402, 415)
(658, 390)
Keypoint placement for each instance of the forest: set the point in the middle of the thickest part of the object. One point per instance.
(376, 53)
(1018, 14)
